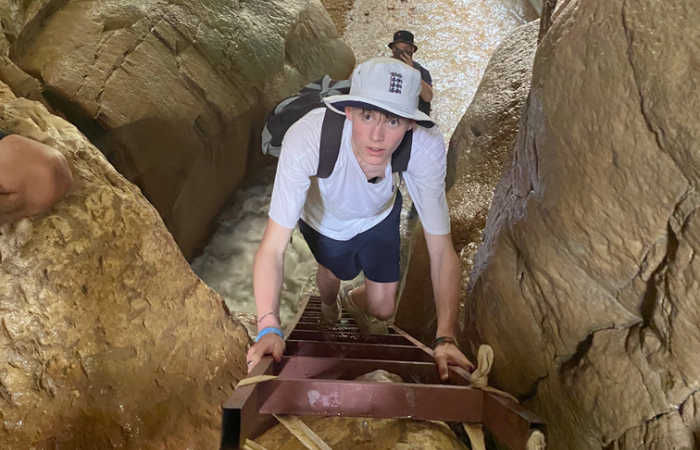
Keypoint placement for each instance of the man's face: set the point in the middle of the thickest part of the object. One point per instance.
(375, 136)
(401, 47)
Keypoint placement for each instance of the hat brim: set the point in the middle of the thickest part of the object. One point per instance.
(415, 47)
(337, 103)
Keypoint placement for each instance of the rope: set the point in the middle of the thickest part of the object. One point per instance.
(252, 445)
(299, 429)
(480, 380)
(536, 441)
(306, 435)
(255, 380)
(480, 377)
(476, 435)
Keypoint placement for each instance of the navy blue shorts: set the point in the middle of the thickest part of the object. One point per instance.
(374, 251)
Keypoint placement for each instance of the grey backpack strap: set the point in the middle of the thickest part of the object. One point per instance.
(331, 135)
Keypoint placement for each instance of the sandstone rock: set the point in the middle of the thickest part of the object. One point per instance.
(586, 285)
(338, 10)
(174, 93)
(108, 339)
(480, 147)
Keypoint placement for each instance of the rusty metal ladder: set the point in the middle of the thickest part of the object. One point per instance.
(316, 376)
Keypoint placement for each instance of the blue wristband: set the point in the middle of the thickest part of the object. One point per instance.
(268, 330)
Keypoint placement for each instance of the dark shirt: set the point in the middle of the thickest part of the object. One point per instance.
(425, 76)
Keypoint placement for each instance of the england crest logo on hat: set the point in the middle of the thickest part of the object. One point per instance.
(396, 83)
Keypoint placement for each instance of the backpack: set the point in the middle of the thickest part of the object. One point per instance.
(311, 97)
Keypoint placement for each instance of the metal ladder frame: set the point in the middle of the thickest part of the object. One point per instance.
(316, 377)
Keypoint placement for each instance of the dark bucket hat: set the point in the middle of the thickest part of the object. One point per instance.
(403, 36)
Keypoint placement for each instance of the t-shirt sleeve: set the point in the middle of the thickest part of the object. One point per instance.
(298, 162)
(425, 180)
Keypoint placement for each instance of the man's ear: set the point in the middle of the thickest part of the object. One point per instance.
(412, 125)
(348, 112)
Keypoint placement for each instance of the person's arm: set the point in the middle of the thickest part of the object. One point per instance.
(268, 270)
(298, 162)
(33, 177)
(445, 276)
(426, 91)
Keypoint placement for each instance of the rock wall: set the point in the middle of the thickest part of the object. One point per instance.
(107, 338)
(173, 92)
(587, 282)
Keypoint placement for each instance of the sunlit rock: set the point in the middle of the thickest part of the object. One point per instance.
(174, 93)
(587, 282)
(107, 339)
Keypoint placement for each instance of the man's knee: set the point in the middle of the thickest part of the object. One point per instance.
(381, 299)
(384, 310)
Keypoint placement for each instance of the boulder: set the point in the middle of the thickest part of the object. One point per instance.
(108, 339)
(586, 284)
(174, 93)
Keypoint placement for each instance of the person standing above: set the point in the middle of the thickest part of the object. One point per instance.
(350, 218)
(33, 177)
(403, 48)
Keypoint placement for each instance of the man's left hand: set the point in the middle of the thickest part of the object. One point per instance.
(448, 353)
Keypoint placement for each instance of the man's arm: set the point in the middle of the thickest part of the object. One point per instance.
(33, 177)
(426, 91)
(268, 270)
(445, 275)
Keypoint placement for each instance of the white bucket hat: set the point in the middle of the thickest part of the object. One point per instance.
(386, 84)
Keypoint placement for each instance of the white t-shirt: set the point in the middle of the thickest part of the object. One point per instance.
(346, 204)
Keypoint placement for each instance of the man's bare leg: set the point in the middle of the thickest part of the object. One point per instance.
(377, 299)
(328, 285)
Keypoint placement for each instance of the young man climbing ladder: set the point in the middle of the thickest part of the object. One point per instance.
(350, 217)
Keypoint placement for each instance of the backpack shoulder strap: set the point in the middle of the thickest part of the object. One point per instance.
(400, 157)
(331, 135)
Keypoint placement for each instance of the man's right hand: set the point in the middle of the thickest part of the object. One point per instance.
(270, 344)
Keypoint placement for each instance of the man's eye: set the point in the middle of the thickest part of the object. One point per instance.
(394, 122)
